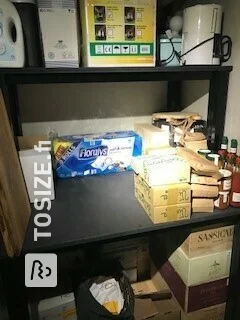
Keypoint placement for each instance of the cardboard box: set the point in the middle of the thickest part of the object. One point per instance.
(212, 313)
(161, 170)
(202, 269)
(202, 205)
(204, 191)
(208, 241)
(196, 179)
(164, 213)
(133, 254)
(58, 21)
(61, 308)
(156, 310)
(155, 285)
(164, 195)
(192, 298)
(118, 33)
(152, 136)
(163, 151)
(44, 186)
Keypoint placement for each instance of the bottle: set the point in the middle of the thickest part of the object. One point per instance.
(232, 155)
(224, 145)
(223, 153)
(234, 145)
(235, 192)
(230, 162)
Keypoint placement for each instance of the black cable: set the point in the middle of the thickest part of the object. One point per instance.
(175, 53)
(165, 61)
(198, 45)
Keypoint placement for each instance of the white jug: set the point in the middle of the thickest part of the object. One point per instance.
(11, 37)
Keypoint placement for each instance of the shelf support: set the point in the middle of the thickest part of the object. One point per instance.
(174, 96)
(233, 300)
(217, 108)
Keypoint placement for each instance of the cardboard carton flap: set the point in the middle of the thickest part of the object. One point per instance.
(144, 309)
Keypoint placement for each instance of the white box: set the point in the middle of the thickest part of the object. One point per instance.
(201, 269)
(153, 137)
(39, 185)
(160, 170)
(59, 33)
(58, 308)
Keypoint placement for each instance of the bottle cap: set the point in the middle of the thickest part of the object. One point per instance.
(225, 140)
(234, 143)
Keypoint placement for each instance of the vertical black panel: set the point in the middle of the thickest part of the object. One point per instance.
(217, 108)
(174, 96)
(233, 301)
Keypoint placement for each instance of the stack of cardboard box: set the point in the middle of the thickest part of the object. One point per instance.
(161, 177)
(197, 273)
(204, 191)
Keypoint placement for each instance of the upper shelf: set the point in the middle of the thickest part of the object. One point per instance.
(42, 75)
(103, 208)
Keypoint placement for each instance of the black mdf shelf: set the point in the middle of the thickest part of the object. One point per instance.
(78, 75)
(97, 209)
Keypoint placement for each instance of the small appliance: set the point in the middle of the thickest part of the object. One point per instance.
(203, 42)
(28, 13)
(11, 36)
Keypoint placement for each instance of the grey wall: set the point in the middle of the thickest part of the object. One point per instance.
(61, 102)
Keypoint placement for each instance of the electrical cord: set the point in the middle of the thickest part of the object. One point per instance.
(177, 54)
(197, 46)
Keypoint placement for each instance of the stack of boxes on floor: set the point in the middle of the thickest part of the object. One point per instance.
(161, 178)
(197, 273)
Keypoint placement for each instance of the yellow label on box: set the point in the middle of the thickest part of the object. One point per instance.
(164, 213)
(118, 32)
(164, 195)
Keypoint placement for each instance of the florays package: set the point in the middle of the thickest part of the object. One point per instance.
(95, 153)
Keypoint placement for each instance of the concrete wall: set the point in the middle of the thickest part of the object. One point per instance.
(231, 28)
(76, 108)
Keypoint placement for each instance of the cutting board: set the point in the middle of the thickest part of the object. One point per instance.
(14, 204)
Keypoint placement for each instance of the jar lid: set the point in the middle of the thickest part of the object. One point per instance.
(212, 156)
(225, 173)
(24, 1)
(204, 151)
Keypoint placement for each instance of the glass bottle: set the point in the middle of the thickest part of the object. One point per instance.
(235, 192)
(223, 153)
(224, 144)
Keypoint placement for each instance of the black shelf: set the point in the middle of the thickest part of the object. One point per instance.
(117, 74)
(103, 208)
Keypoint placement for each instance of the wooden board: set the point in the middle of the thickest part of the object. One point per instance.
(14, 204)
(176, 116)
